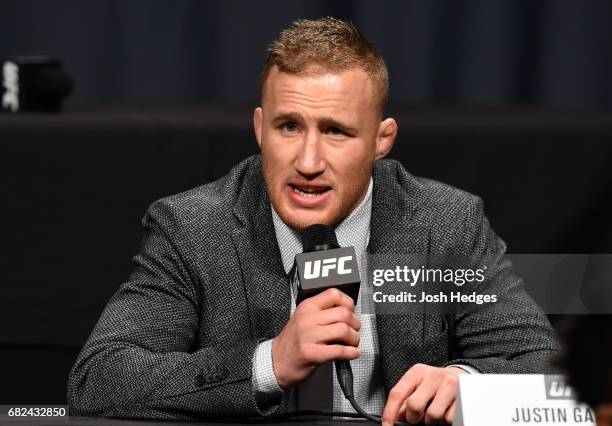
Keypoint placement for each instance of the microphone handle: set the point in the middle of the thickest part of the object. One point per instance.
(344, 373)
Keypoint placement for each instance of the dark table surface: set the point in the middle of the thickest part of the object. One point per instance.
(89, 421)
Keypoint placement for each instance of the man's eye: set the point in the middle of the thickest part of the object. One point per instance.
(335, 131)
(290, 127)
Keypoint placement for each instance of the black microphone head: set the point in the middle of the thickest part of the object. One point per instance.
(319, 237)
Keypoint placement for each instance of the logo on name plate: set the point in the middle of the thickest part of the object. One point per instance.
(556, 388)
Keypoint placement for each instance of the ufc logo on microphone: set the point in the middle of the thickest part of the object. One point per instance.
(317, 268)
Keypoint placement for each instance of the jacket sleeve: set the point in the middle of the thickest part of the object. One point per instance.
(512, 335)
(142, 359)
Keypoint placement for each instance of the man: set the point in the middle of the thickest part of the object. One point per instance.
(206, 325)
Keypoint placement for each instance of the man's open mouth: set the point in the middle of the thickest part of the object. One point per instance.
(309, 191)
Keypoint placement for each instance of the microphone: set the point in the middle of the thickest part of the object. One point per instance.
(34, 83)
(322, 265)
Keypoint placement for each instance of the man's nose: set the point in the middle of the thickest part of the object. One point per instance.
(310, 159)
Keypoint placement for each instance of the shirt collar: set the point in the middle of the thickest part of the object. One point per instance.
(353, 231)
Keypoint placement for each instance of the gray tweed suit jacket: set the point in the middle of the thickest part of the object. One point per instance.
(177, 339)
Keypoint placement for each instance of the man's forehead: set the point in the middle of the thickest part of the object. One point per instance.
(321, 87)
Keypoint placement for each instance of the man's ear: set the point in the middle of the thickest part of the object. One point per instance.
(385, 137)
(257, 124)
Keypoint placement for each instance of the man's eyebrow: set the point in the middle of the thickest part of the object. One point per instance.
(286, 116)
(327, 122)
(324, 122)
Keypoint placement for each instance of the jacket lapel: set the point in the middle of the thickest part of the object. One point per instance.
(393, 232)
(265, 282)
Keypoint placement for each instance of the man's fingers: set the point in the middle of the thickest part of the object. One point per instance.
(324, 353)
(337, 332)
(444, 398)
(399, 393)
(328, 299)
(339, 314)
(417, 402)
(450, 413)
(402, 411)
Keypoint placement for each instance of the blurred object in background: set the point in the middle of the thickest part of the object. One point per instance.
(588, 351)
(34, 83)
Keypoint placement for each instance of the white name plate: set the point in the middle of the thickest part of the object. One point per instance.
(518, 399)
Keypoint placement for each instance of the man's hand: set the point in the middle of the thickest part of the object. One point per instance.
(303, 343)
(424, 394)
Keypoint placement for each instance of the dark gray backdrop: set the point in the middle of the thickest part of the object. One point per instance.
(546, 53)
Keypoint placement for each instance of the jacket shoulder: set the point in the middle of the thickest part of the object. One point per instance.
(209, 205)
(452, 217)
(424, 195)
